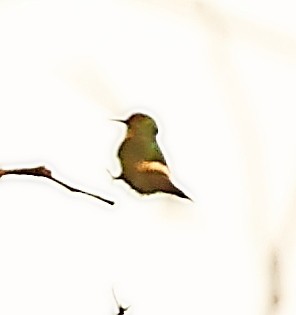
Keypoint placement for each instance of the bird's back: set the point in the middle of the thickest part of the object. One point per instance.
(136, 149)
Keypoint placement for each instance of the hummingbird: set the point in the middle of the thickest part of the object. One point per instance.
(144, 167)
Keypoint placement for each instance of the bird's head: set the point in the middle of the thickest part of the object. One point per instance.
(141, 124)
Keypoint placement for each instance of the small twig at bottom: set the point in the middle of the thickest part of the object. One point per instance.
(42, 171)
(121, 309)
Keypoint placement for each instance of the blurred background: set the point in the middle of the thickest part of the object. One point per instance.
(218, 77)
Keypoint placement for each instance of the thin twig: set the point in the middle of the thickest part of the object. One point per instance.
(121, 309)
(42, 171)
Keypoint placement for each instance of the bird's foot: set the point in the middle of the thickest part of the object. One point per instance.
(114, 177)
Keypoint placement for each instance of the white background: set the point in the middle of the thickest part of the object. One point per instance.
(219, 78)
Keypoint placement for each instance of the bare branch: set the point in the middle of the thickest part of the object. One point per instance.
(42, 171)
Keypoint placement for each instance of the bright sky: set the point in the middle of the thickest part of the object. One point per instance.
(218, 77)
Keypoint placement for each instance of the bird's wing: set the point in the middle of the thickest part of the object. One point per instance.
(158, 156)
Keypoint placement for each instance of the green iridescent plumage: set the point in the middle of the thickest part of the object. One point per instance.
(143, 165)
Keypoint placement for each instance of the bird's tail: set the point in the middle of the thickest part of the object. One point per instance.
(180, 193)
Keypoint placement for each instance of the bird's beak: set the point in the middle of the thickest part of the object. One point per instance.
(119, 120)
